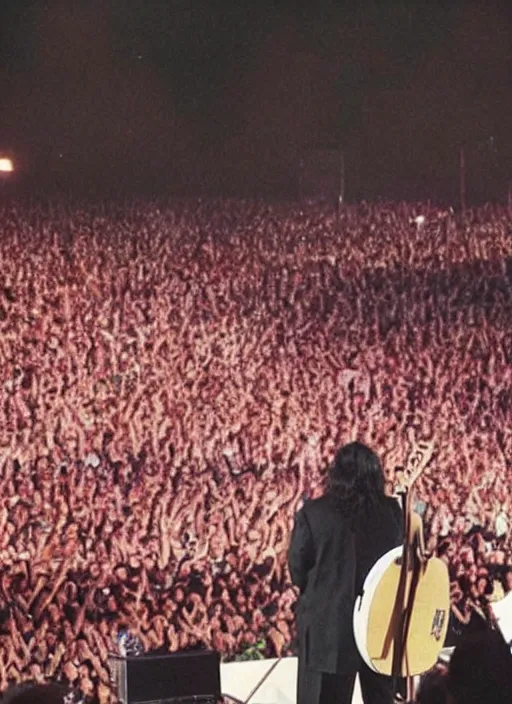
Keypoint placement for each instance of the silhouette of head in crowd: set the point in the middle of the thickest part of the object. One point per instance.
(30, 693)
(480, 670)
(433, 688)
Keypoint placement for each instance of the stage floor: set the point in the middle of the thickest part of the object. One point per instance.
(239, 679)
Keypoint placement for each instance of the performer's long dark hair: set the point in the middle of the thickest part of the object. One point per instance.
(356, 479)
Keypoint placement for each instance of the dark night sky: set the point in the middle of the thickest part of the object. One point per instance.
(161, 93)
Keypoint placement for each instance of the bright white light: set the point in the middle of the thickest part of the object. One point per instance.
(502, 611)
(6, 165)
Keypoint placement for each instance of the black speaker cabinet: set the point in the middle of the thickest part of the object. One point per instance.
(192, 676)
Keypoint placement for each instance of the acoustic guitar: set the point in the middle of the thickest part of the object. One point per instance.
(401, 617)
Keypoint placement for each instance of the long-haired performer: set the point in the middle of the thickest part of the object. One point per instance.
(336, 540)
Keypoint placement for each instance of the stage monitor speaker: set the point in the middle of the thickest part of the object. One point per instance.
(192, 676)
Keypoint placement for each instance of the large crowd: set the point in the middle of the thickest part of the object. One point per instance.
(176, 377)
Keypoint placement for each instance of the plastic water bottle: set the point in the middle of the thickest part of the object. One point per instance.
(128, 644)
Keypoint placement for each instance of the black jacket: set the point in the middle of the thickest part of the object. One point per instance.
(329, 558)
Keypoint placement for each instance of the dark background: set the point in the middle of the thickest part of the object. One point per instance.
(224, 97)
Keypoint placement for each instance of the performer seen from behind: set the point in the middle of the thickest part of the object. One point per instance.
(336, 540)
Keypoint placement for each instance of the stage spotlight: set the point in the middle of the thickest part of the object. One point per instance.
(6, 165)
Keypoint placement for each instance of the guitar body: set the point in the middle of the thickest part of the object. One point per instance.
(364, 603)
(375, 617)
(401, 618)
